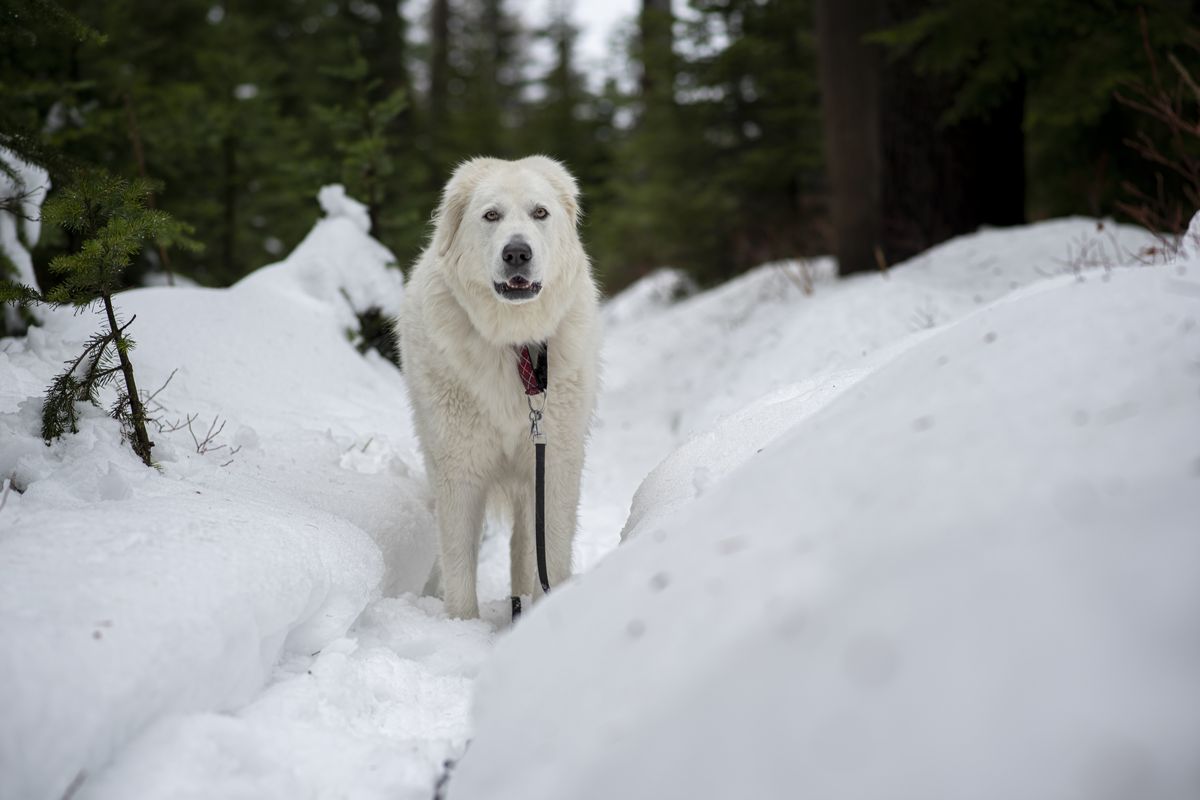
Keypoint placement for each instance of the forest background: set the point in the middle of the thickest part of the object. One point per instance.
(723, 134)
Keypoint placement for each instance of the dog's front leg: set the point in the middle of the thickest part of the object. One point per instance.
(522, 558)
(460, 506)
(564, 467)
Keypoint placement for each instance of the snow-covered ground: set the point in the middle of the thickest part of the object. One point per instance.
(930, 533)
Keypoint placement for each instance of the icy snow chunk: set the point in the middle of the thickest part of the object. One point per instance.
(336, 203)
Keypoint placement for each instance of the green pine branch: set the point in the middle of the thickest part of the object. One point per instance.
(112, 216)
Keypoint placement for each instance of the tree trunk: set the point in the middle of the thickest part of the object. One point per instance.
(392, 50)
(654, 25)
(849, 76)
(939, 180)
(135, 139)
(439, 61)
(229, 234)
(137, 413)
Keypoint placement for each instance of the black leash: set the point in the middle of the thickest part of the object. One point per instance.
(539, 512)
(533, 362)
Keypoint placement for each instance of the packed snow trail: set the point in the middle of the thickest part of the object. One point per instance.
(250, 625)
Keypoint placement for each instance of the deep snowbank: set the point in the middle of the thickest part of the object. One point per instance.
(674, 373)
(970, 573)
(127, 594)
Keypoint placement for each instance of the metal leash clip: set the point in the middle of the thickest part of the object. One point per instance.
(535, 417)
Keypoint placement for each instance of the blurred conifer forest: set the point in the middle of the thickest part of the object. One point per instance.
(725, 134)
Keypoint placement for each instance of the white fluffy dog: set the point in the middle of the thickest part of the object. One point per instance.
(505, 268)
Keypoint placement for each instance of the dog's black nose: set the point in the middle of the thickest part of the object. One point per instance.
(517, 253)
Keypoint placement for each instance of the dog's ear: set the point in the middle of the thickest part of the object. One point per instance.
(455, 199)
(563, 182)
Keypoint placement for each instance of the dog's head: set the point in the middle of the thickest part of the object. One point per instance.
(509, 227)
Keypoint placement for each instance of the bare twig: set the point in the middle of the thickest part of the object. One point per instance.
(232, 452)
(15, 203)
(177, 425)
(156, 392)
(803, 280)
(1176, 112)
(208, 443)
(1184, 76)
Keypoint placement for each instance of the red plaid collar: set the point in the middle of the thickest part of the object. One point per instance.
(532, 372)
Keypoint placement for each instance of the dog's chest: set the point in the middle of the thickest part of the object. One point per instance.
(499, 397)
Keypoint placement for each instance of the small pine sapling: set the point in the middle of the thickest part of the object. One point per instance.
(112, 218)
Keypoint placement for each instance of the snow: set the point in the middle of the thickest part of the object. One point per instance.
(969, 572)
(28, 190)
(338, 205)
(128, 595)
(927, 533)
(648, 296)
(19, 232)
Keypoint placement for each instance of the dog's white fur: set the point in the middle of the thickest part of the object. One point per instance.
(457, 336)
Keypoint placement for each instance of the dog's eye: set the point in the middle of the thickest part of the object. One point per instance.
(540, 212)
(492, 215)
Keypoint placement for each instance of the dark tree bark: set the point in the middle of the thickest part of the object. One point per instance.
(229, 146)
(139, 156)
(850, 77)
(389, 60)
(943, 180)
(901, 178)
(439, 60)
(137, 412)
(657, 41)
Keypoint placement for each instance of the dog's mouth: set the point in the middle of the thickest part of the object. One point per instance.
(518, 288)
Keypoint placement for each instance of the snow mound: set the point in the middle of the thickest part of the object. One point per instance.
(336, 203)
(673, 374)
(289, 494)
(970, 573)
(647, 296)
(338, 264)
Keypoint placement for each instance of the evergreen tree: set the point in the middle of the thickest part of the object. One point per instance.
(358, 128)
(111, 217)
(721, 170)
(486, 80)
(754, 87)
(567, 121)
(1068, 59)
(654, 207)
